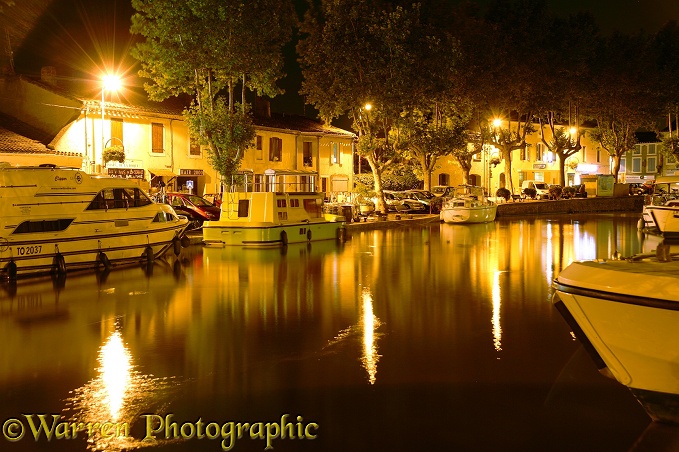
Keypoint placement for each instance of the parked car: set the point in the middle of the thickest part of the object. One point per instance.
(393, 203)
(214, 198)
(442, 190)
(541, 188)
(411, 203)
(431, 202)
(196, 208)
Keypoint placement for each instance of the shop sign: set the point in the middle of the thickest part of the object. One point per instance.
(127, 173)
(190, 172)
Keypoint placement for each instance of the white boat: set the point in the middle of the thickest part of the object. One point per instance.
(660, 207)
(54, 219)
(469, 204)
(279, 208)
(626, 314)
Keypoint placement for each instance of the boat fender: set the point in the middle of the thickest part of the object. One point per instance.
(284, 237)
(308, 235)
(148, 254)
(185, 241)
(177, 246)
(11, 270)
(59, 264)
(102, 259)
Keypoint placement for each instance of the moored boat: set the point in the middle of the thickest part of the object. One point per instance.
(283, 208)
(660, 208)
(626, 312)
(468, 204)
(54, 219)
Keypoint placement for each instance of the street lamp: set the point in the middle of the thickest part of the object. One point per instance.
(110, 83)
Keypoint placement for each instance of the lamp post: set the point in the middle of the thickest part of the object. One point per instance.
(111, 83)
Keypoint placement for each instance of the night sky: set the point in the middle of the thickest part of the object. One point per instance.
(83, 38)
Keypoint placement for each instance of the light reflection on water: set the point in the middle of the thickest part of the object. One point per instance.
(445, 328)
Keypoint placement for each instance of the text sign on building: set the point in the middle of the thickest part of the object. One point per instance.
(190, 172)
(127, 173)
(539, 166)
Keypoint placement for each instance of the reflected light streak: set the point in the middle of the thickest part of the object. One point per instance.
(370, 324)
(117, 394)
(115, 368)
(497, 304)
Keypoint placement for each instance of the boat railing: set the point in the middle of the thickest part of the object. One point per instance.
(277, 181)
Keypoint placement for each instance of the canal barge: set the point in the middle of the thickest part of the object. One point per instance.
(274, 209)
(55, 219)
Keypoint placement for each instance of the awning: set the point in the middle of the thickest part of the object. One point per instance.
(162, 172)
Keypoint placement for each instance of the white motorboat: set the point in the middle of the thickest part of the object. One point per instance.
(660, 207)
(283, 208)
(626, 312)
(469, 204)
(54, 219)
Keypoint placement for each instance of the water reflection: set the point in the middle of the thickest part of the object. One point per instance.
(395, 324)
(370, 324)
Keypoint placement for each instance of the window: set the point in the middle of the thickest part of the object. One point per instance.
(116, 132)
(194, 148)
(524, 153)
(43, 226)
(334, 154)
(157, 138)
(538, 152)
(243, 208)
(651, 165)
(258, 150)
(306, 153)
(636, 164)
(119, 198)
(275, 148)
(623, 165)
(598, 155)
(444, 179)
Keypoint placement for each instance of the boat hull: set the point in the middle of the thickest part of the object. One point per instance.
(629, 334)
(665, 219)
(218, 233)
(482, 214)
(53, 220)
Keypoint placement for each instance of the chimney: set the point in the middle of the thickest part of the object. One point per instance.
(48, 74)
(262, 107)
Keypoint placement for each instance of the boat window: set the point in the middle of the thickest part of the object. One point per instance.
(43, 226)
(119, 198)
(163, 217)
(294, 203)
(243, 208)
(281, 203)
(314, 207)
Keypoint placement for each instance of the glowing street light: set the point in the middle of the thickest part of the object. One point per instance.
(111, 83)
(497, 122)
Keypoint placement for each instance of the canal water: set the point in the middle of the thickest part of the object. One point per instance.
(437, 337)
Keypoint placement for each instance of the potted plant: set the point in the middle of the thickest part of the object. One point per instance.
(555, 191)
(503, 192)
(115, 153)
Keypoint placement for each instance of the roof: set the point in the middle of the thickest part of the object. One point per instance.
(133, 102)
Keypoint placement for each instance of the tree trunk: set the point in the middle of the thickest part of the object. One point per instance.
(377, 181)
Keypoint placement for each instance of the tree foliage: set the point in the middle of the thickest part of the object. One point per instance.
(205, 49)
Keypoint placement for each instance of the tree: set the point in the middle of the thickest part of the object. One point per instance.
(355, 53)
(205, 48)
(426, 137)
(623, 99)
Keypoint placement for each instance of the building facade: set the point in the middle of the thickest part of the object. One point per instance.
(156, 142)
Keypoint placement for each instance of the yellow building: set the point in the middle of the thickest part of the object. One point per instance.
(535, 162)
(70, 124)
